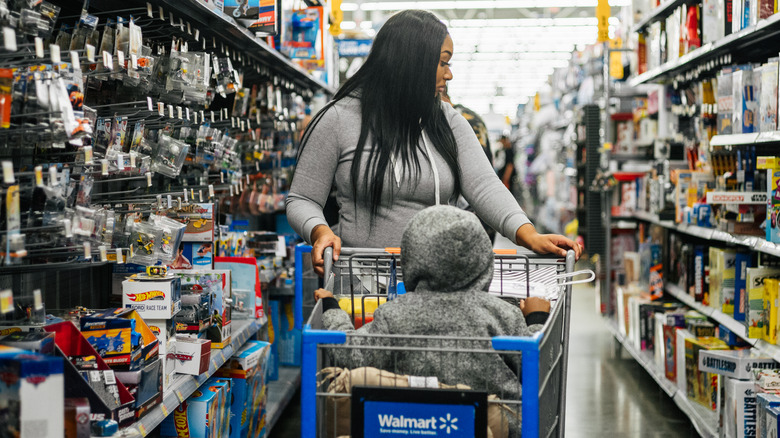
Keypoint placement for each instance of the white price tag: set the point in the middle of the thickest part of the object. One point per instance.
(170, 201)
(119, 258)
(186, 198)
(104, 167)
(202, 115)
(108, 61)
(38, 299)
(9, 39)
(87, 251)
(212, 116)
(243, 126)
(120, 58)
(170, 17)
(8, 172)
(74, 58)
(178, 112)
(187, 113)
(161, 109)
(197, 35)
(38, 47)
(231, 191)
(200, 195)
(90, 49)
(161, 12)
(257, 166)
(52, 176)
(195, 117)
(221, 177)
(120, 161)
(134, 61)
(87, 154)
(149, 12)
(38, 176)
(149, 105)
(232, 122)
(132, 159)
(192, 194)
(103, 253)
(211, 191)
(170, 111)
(189, 28)
(67, 228)
(54, 54)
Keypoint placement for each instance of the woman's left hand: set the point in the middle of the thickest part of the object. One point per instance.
(528, 237)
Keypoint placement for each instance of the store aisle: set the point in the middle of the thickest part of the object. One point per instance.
(608, 396)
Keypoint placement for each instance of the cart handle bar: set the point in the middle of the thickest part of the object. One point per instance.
(591, 276)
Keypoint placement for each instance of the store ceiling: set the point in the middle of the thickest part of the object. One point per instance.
(504, 49)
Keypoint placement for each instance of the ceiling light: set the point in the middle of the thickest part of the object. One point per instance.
(528, 22)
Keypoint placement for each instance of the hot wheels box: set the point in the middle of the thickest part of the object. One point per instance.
(121, 337)
(32, 396)
(245, 281)
(152, 299)
(737, 364)
(224, 387)
(247, 368)
(195, 418)
(192, 355)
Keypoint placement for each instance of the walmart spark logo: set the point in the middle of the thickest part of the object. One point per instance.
(448, 423)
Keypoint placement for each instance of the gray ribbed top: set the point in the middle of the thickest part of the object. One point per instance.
(326, 162)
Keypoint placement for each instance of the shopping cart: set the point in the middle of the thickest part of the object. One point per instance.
(335, 403)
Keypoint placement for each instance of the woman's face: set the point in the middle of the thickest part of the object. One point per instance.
(443, 72)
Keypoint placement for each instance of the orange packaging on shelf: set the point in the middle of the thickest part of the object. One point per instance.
(6, 84)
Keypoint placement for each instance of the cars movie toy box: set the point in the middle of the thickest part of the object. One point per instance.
(192, 355)
(31, 394)
(121, 337)
(196, 417)
(71, 343)
(152, 298)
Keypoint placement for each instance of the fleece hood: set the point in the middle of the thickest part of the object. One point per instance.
(445, 249)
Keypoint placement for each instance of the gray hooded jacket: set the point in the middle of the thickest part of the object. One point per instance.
(447, 269)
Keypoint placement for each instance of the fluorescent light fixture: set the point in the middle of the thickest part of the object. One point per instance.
(366, 25)
(477, 4)
(348, 25)
(528, 22)
(508, 56)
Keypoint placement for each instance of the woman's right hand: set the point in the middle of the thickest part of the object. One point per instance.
(323, 237)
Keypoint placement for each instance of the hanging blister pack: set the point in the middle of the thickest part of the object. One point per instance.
(84, 197)
(144, 239)
(172, 234)
(83, 222)
(169, 156)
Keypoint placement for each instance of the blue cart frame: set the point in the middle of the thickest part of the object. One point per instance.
(544, 360)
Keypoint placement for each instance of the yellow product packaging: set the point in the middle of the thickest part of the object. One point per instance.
(771, 286)
(364, 308)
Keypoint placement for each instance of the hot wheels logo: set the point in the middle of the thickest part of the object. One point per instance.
(36, 380)
(180, 421)
(144, 296)
(8, 331)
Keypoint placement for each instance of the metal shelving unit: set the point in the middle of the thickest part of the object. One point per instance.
(730, 44)
(184, 385)
(659, 13)
(704, 420)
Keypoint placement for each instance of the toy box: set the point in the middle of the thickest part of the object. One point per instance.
(79, 383)
(743, 261)
(195, 315)
(199, 219)
(224, 388)
(245, 286)
(273, 329)
(725, 102)
(194, 418)
(32, 396)
(721, 276)
(771, 286)
(77, 413)
(736, 364)
(754, 299)
(768, 99)
(288, 337)
(217, 284)
(248, 368)
(145, 385)
(739, 414)
(166, 335)
(32, 341)
(745, 101)
(730, 338)
(701, 386)
(764, 403)
(192, 355)
(121, 337)
(152, 298)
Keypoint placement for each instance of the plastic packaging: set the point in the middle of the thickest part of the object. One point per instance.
(172, 234)
(170, 156)
(144, 239)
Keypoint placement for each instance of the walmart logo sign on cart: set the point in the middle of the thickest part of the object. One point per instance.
(389, 419)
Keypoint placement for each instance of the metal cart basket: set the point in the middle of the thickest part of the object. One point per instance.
(361, 277)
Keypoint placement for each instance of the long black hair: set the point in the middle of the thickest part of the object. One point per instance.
(396, 87)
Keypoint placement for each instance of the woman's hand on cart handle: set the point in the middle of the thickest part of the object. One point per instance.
(322, 237)
(528, 237)
(322, 293)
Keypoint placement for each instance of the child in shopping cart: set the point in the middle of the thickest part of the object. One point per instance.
(447, 268)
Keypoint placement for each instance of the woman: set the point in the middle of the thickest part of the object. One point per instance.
(392, 149)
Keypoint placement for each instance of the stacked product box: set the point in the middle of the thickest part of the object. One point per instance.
(701, 386)
(248, 368)
(121, 337)
(721, 277)
(207, 312)
(756, 316)
(196, 417)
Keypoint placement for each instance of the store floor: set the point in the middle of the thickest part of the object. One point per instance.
(607, 397)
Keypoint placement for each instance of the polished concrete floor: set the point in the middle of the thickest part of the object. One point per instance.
(607, 396)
